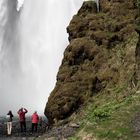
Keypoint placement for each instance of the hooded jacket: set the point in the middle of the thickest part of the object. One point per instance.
(22, 115)
(35, 118)
(9, 116)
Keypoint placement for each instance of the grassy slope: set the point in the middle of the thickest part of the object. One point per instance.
(101, 54)
(110, 116)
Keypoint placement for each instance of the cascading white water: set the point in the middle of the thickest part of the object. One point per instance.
(19, 4)
(32, 42)
(9, 54)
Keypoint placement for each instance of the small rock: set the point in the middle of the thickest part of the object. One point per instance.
(88, 137)
(74, 125)
(138, 91)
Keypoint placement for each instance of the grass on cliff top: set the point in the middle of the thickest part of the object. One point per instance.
(110, 116)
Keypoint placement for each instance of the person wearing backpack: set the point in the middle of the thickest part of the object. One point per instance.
(21, 112)
(35, 120)
(9, 118)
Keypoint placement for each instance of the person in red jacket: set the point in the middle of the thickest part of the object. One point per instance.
(35, 120)
(21, 112)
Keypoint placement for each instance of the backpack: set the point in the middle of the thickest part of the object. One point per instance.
(7, 117)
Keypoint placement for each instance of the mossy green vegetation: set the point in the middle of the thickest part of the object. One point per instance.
(97, 83)
(101, 55)
(138, 3)
(138, 21)
(110, 117)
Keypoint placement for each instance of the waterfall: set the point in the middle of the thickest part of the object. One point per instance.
(9, 54)
(98, 5)
(19, 4)
(32, 41)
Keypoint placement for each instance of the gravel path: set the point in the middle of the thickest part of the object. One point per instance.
(59, 133)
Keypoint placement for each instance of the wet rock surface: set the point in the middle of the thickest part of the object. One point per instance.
(61, 132)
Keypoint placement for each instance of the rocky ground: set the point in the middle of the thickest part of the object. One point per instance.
(44, 132)
(16, 134)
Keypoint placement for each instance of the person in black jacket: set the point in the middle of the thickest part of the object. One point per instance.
(9, 118)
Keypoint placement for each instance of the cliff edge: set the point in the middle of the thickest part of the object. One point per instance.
(101, 56)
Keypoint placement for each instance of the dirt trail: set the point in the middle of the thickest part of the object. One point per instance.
(44, 132)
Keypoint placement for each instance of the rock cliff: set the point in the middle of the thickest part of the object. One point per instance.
(101, 55)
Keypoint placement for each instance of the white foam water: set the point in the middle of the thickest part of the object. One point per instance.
(19, 4)
(32, 41)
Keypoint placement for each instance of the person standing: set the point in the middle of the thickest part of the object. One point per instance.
(9, 118)
(35, 120)
(21, 112)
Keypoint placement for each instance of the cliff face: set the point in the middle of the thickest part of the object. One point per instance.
(101, 55)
